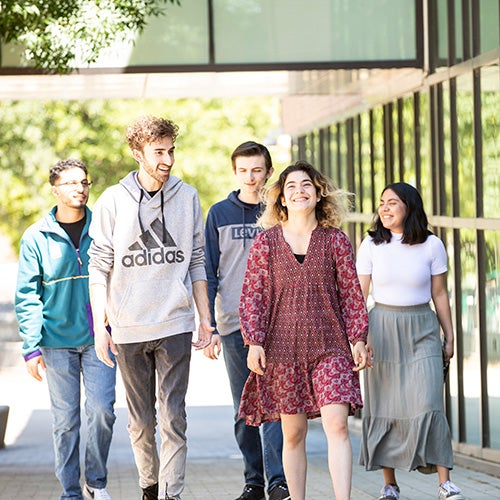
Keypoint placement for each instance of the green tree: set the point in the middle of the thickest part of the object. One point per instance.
(34, 135)
(56, 34)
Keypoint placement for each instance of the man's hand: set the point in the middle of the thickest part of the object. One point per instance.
(33, 365)
(212, 351)
(256, 359)
(205, 330)
(103, 343)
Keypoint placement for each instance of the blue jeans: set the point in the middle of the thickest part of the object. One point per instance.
(257, 455)
(142, 364)
(65, 370)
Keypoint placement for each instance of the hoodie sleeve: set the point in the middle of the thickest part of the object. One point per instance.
(28, 299)
(212, 249)
(197, 265)
(101, 230)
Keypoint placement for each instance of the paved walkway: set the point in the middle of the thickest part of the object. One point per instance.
(214, 468)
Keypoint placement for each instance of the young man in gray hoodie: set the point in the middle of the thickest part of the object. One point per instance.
(230, 230)
(147, 263)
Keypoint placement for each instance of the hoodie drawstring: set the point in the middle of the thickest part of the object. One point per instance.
(139, 211)
(244, 227)
(164, 236)
(164, 229)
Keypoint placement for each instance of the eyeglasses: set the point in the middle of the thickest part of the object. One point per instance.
(74, 184)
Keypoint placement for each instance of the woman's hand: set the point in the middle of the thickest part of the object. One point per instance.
(256, 359)
(360, 356)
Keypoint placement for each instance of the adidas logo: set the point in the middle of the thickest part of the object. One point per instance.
(151, 250)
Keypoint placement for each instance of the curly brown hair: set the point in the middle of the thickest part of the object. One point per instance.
(148, 129)
(331, 210)
(61, 165)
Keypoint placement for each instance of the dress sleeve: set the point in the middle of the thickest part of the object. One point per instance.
(254, 300)
(352, 302)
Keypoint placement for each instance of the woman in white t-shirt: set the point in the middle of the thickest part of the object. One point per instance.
(404, 425)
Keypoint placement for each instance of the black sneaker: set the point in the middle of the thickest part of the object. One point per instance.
(279, 492)
(252, 492)
(150, 493)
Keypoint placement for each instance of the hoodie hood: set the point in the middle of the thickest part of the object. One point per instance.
(132, 185)
(168, 190)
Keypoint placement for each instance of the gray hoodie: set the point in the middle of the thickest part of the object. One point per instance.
(147, 251)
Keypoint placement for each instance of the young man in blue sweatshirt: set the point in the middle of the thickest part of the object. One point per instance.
(53, 311)
(229, 232)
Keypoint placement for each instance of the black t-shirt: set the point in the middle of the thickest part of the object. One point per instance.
(74, 230)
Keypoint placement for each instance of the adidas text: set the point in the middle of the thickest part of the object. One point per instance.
(149, 258)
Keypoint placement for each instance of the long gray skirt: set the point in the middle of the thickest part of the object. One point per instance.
(404, 425)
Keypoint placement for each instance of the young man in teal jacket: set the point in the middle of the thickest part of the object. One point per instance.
(55, 322)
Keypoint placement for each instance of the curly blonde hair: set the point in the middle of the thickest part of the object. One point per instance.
(148, 129)
(331, 210)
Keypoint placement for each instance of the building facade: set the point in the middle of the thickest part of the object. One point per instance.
(443, 137)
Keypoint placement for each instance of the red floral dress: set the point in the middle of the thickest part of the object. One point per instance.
(304, 315)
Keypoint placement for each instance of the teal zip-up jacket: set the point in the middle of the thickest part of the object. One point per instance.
(52, 294)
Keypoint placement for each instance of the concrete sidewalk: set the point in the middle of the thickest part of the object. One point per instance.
(214, 469)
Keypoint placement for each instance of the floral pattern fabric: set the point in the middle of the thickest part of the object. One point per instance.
(304, 315)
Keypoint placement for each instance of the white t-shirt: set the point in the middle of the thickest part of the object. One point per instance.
(401, 273)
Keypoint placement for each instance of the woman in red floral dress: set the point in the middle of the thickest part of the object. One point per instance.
(304, 319)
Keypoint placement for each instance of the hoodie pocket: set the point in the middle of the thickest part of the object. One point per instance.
(153, 302)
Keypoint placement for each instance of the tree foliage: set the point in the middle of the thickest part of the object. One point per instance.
(58, 34)
(34, 135)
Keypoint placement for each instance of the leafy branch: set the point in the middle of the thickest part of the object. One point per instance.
(56, 35)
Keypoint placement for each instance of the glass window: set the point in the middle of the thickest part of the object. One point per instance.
(342, 173)
(394, 133)
(453, 372)
(489, 19)
(179, 37)
(492, 239)
(378, 152)
(442, 32)
(490, 106)
(466, 163)
(408, 141)
(425, 160)
(334, 151)
(259, 31)
(357, 188)
(470, 327)
(366, 169)
(446, 149)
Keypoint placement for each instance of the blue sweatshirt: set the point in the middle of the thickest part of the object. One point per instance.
(52, 293)
(229, 232)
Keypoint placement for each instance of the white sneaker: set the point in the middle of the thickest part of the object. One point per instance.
(449, 491)
(389, 492)
(95, 493)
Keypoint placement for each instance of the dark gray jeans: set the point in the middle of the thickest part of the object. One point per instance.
(141, 365)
